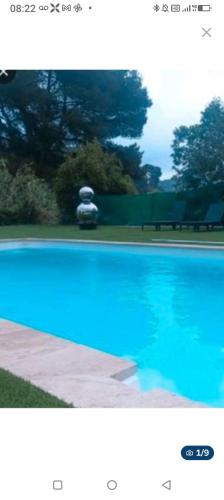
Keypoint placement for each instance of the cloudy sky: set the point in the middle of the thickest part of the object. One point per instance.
(178, 98)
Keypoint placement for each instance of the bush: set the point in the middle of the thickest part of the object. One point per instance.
(24, 198)
(90, 166)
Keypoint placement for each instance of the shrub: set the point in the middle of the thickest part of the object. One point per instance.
(90, 165)
(24, 198)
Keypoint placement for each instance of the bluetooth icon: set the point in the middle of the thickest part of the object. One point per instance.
(156, 8)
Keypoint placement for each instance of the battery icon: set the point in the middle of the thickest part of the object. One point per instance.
(204, 8)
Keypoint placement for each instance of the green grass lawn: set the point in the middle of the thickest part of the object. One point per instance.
(109, 233)
(17, 393)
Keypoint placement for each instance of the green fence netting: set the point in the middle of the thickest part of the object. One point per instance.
(135, 209)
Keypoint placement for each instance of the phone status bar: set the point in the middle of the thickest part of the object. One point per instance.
(175, 8)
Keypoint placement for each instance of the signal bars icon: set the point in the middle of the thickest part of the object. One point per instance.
(190, 8)
(199, 8)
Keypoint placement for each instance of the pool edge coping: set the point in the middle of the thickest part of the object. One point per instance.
(44, 362)
(115, 243)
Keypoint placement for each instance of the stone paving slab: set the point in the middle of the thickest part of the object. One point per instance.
(77, 374)
(31, 352)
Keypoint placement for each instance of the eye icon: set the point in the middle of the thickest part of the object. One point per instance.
(189, 453)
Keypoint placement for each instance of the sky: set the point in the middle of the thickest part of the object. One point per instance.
(178, 98)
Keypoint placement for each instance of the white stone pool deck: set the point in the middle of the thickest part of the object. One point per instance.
(77, 374)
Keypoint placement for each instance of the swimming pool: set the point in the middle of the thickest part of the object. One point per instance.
(161, 307)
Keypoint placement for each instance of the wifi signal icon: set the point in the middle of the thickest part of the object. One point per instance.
(188, 9)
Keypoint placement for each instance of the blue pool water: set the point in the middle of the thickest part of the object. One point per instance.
(162, 308)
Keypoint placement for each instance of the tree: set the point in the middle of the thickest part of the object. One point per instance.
(198, 150)
(153, 174)
(130, 157)
(107, 104)
(149, 180)
(90, 165)
(44, 115)
(31, 128)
